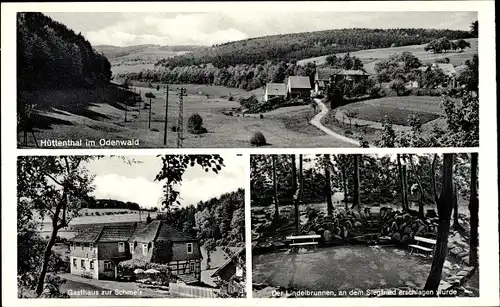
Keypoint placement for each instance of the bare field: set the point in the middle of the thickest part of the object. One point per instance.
(370, 57)
(281, 129)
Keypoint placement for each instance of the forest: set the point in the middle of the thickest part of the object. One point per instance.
(52, 56)
(297, 46)
(426, 195)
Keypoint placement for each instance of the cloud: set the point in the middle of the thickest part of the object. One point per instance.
(208, 28)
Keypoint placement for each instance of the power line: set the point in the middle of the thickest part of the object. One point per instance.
(180, 120)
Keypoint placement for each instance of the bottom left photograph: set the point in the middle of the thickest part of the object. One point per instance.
(162, 226)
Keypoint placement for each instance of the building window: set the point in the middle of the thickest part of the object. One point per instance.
(191, 267)
(131, 245)
(91, 264)
(74, 263)
(108, 266)
(190, 248)
(121, 247)
(91, 246)
(82, 264)
(145, 249)
(82, 246)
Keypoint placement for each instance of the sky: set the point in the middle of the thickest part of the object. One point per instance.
(208, 28)
(116, 179)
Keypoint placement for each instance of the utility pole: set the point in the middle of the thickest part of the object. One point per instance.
(166, 117)
(180, 120)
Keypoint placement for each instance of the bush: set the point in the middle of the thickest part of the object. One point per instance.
(231, 98)
(261, 116)
(195, 124)
(258, 139)
(173, 128)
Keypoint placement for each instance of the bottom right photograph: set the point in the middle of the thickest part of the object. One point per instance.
(365, 225)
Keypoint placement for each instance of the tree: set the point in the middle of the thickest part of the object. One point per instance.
(357, 200)
(444, 207)
(474, 28)
(297, 197)
(173, 169)
(474, 211)
(402, 183)
(275, 185)
(328, 188)
(462, 44)
(54, 187)
(420, 187)
(470, 75)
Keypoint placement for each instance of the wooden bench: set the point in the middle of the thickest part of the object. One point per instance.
(423, 244)
(303, 240)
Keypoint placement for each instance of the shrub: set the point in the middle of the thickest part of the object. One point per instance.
(258, 139)
(261, 116)
(231, 98)
(173, 128)
(195, 124)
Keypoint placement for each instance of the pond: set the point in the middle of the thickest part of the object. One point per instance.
(343, 268)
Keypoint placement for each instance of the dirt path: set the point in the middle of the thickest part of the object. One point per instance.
(316, 121)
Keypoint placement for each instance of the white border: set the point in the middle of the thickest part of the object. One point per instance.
(488, 192)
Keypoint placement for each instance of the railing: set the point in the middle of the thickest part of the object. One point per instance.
(193, 291)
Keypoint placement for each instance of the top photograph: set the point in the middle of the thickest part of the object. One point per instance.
(238, 79)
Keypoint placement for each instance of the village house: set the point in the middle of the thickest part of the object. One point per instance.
(274, 90)
(97, 251)
(160, 243)
(298, 87)
(449, 71)
(324, 76)
(231, 272)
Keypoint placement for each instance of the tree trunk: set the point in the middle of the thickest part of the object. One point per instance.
(401, 181)
(46, 255)
(357, 201)
(421, 189)
(328, 188)
(444, 206)
(275, 185)
(474, 212)
(294, 174)
(298, 196)
(456, 223)
(433, 175)
(344, 179)
(405, 188)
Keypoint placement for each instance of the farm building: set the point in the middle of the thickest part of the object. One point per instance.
(298, 87)
(447, 69)
(160, 243)
(231, 272)
(323, 77)
(326, 75)
(274, 90)
(96, 251)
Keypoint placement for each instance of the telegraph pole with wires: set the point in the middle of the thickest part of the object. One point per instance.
(166, 117)
(180, 120)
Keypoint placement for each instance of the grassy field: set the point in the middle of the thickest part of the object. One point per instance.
(281, 129)
(397, 109)
(370, 57)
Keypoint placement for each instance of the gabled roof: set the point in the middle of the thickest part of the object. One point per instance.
(105, 233)
(278, 89)
(353, 72)
(448, 69)
(228, 262)
(325, 73)
(159, 231)
(299, 82)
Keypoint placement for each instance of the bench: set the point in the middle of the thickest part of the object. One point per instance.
(304, 240)
(423, 245)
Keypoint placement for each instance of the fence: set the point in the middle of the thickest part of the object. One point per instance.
(193, 291)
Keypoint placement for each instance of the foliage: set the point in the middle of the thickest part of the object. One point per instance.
(440, 45)
(462, 119)
(173, 169)
(52, 56)
(221, 219)
(474, 29)
(258, 139)
(469, 77)
(93, 203)
(195, 124)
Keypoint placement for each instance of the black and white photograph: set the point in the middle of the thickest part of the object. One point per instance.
(167, 226)
(243, 79)
(371, 225)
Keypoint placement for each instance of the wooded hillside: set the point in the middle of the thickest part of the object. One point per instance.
(296, 46)
(52, 56)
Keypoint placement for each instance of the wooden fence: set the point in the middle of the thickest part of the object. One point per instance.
(193, 291)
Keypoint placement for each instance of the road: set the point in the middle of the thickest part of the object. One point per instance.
(316, 121)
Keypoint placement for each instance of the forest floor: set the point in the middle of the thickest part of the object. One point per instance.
(106, 121)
